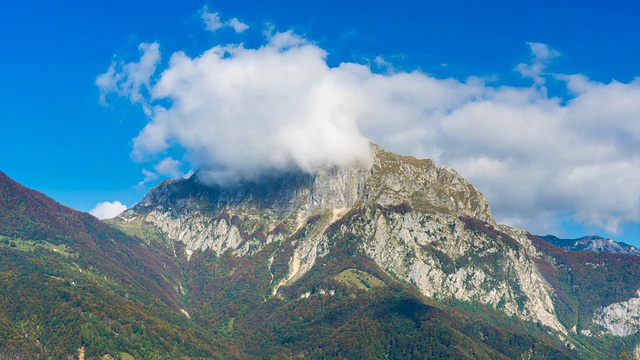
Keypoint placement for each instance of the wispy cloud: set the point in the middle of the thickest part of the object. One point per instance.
(542, 55)
(167, 167)
(149, 176)
(213, 22)
(132, 79)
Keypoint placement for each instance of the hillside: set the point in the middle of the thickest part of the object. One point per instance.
(73, 284)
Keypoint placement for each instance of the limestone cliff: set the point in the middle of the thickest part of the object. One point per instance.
(621, 318)
(421, 223)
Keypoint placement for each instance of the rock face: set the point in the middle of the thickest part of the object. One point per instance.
(621, 319)
(423, 224)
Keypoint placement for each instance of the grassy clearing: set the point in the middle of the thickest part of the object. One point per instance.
(146, 233)
(359, 279)
(30, 245)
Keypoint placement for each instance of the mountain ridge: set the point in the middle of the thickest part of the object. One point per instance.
(592, 243)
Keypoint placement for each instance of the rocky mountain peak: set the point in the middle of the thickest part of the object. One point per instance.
(425, 186)
(391, 180)
(423, 224)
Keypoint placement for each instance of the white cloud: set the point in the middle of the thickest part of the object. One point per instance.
(383, 64)
(301, 116)
(107, 210)
(239, 113)
(169, 167)
(541, 57)
(213, 22)
(577, 83)
(188, 174)
(130, 79)
(149, 176)
(237, 25)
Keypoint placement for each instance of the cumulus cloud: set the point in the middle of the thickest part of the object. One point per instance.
(107, 210)
(242, 112)
(213, 22)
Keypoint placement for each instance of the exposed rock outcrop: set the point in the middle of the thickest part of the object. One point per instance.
(621, 318)
(421, 223)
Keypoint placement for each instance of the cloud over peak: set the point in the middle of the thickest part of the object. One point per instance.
(241, 112)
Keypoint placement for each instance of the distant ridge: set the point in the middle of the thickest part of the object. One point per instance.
(593, 243)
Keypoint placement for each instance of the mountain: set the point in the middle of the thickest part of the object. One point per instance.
(592, 243)
(422, 224)
(401, 259)
(72, 286)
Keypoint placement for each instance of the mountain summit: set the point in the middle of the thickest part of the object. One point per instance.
(289, 200)
(421, 223)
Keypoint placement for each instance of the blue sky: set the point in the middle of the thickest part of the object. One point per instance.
(56, 137)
